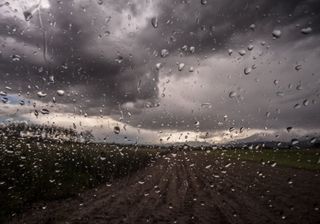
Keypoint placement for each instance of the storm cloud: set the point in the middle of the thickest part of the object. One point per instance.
(229, 64)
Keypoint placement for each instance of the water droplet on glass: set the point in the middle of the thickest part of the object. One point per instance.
(276, 33)
(44, 111)
(164, 53)
(297, 106)
(60, 92)
(119, 59)
(298, 67)
(27, 15)
(242, 52)
(192, 49)
(154, 22)
(313, 140)
(230, 51)
(289, 129)
(16, 57)
(306, 30)
(158, 66)
(247, 70)
(294, 141)
(250, 47)
(204, 2)
(181, 66)
(41, 94)
(305, 103)
(232, 94)
(252, 27)
(116, 130)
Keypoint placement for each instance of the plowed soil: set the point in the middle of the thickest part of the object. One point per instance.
(193, 188)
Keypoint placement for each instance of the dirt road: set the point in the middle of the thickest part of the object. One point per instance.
(193, 188)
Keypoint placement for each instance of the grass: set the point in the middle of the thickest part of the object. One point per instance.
(302, 158)
(32, 171)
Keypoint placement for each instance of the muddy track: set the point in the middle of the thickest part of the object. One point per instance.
(184, 188)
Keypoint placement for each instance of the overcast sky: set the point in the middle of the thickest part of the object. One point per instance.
(184, 70)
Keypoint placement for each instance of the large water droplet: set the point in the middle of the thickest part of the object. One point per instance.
(306, 30)
(232, 94)
(116, 130)
(154, 22)
(247, 70)
(41, 94)
(276, 33)
(27, 15)
(16, 57)
(60, 92)
(242, 52)
(181, 66)
(204, 2)
(252, 27)
(164, 53)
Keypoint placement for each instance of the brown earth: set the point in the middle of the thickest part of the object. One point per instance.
(184, 188)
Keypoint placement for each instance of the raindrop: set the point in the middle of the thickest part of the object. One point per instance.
(247, 70)
(250, 47)
(164, 53)
(232, 94)
(313, 140)
(60, 92)
(192, 49)
(27, 15)
(119, 59)
(158, 66)
(51, 78)
(306, 30)
(100, 2)
(242, 52)
(154, 22)
(298, 67)
(297, 106)
(16, 57)
(252, 27)
(273, 164)
(3, 93)
(44, 111)
(116, 130)
(276, 33)
(181, 66)
(289, 129)
(280, 93)
(294, 141)
(191, 69)
(204, 2)
(41, 94)
(305, 103)
(230, 51)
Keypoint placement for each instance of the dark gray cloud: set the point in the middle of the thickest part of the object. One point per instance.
(104, 56)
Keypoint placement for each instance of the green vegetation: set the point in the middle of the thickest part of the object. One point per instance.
(302, 158)
(33, 170)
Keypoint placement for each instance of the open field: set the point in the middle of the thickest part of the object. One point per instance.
(32, 171)
(221, 186)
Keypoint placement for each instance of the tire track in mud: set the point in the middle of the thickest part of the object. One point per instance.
(187, 187)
